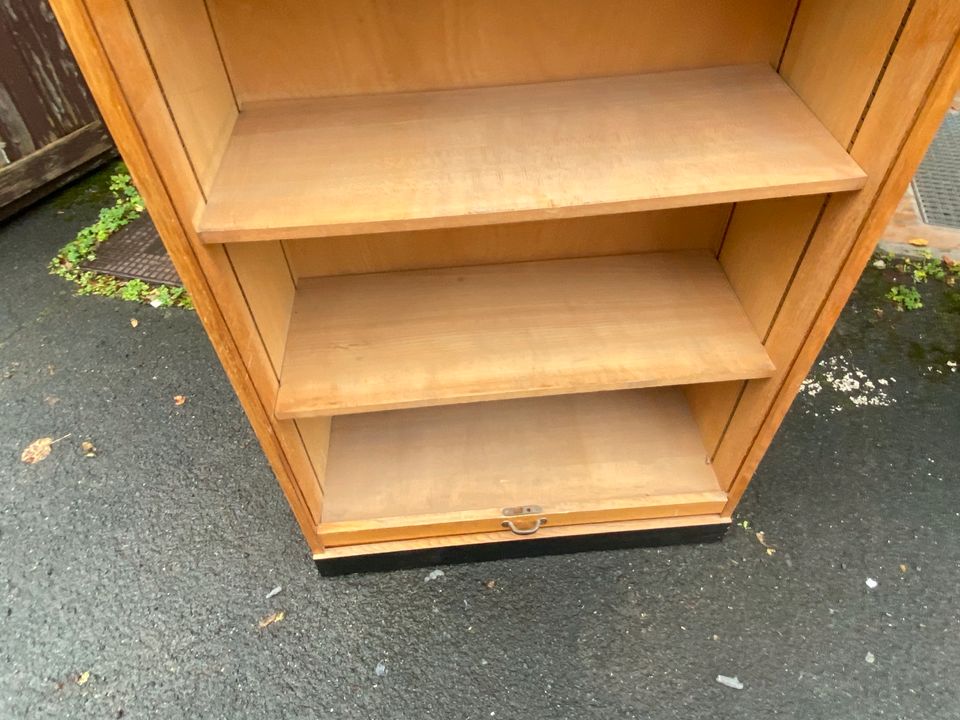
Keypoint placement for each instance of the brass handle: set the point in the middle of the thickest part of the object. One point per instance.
(524, 531)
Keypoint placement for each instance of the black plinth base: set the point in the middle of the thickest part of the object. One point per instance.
(530, 548)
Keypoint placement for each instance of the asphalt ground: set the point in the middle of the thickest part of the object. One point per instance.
(132, 582)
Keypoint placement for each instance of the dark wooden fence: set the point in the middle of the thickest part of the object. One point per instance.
(50, 131)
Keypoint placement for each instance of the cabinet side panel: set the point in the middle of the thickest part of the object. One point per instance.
(304, 48)
(697, 228)
(105, 40)
(834, 56)
(711, 405)
(264, 276)
(186, 59)
(911, 97)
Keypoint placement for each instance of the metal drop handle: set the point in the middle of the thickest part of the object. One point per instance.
(524, 531)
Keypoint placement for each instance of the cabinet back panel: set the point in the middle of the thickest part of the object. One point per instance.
(304, 48)
(695, 228)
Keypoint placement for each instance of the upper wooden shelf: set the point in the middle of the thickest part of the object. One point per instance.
(361, 343)
(411, 161)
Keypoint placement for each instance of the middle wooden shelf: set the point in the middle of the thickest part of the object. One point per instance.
(384, 341)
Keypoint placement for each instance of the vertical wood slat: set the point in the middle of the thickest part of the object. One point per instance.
(43, 93)
(49, 126)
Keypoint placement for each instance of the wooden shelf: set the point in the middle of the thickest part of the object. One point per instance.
(581, 458)
(383, 341)
(410, 161)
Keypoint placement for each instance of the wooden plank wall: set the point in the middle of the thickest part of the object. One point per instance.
(49, 126)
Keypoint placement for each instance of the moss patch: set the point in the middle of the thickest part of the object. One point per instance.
(127, 206)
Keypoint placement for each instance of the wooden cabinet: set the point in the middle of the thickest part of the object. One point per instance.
(487, 272)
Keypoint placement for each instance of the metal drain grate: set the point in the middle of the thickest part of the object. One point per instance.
(937, 183)
(135, 251)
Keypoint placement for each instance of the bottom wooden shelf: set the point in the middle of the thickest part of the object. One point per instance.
(593, 458)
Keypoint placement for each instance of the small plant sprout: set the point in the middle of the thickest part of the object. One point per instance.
(127, 207)
(905, 298)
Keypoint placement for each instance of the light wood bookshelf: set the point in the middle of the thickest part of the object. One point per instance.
(500, 275)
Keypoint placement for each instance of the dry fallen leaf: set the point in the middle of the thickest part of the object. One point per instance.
(761, 538)
(84, 676)
(919, 242)
(271, 619)
(134, 322)
(38, 450)
(89, 449)
(179, 400)
(903, 568)
(490, 584)
(51, 400)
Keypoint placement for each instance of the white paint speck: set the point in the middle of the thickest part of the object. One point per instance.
(871, 583)
(839, 376)
(730, 682)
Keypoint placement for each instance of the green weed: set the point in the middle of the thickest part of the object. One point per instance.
(128, 206)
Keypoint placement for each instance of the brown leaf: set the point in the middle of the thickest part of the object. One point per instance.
(36, 451)
(39, 449)
(490, 584)
(89, 449)
(179, 400)
(271, 619)
(761, 538)
(903, 568)
(919, 242)
(134, 322)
